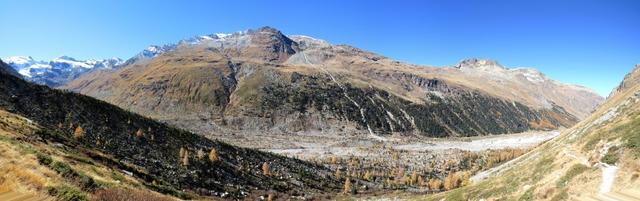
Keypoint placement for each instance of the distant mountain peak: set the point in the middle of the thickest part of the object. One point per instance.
(309, 42)
(269, 29)
(479, 63)
(18, 60)
(65, 57)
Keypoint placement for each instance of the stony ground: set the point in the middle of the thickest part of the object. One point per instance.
(312, 145)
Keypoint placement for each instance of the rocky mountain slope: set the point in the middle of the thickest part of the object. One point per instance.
(81, 131)
(58, 71)
(263, 80)
(597, 159)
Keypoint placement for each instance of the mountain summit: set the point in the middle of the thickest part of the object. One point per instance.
(479, 63)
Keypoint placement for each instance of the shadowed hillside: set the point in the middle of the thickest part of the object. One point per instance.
(164, 158)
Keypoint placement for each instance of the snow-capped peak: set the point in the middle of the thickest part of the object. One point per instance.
(71, 62)
(58, 70)
(154, 50)
(222, 35)
(19, 60)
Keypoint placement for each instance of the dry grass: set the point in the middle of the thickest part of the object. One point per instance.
(19, 170)
(22, 173)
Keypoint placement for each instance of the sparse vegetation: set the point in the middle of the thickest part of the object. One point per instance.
(185, 158)
(452, 181)
(78, 133)
(139, 133)
(528, 195)
(84, 181)
(213, 155)
(562, 195)
(68, 193)
(200, 154)
(43, 158)
(347, 186)
(574, 171)
(612, 156)
(435, 184)
(265, 169)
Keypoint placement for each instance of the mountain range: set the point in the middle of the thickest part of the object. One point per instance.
(264, 80)
(58, 71)
(167, 123)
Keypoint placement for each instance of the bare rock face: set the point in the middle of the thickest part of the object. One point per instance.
(630, 80)
(479, 64)
(265, 81)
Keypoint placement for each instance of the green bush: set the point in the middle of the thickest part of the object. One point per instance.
(633, 143)
(68, 193)
(84, 181)
(43, 158)
(88, 183)
(62, 168)
(611, 157)
(51, 134)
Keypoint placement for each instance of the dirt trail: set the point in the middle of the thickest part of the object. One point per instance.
(608, 177)
(623, 195)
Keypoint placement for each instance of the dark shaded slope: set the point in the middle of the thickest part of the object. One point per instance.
(455, 112)
(154, 154)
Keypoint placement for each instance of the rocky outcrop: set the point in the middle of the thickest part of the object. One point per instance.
(630, 80)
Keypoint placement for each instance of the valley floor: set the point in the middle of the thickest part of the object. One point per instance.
(504, 141)
(409, 163)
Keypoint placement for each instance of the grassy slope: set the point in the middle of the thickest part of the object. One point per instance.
(568, 166)
(68, 174)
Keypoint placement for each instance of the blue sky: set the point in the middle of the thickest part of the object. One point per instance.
(587, 42)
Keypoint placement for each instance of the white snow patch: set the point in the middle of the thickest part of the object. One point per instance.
(18, 60)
